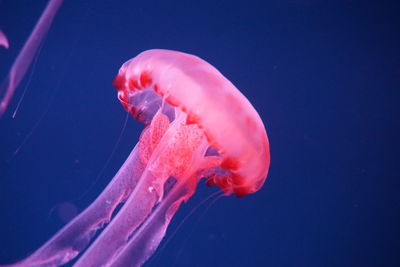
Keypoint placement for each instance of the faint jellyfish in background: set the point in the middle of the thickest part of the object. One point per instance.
(26, 55)
(197, 125)
(4, 40)
(66, 211)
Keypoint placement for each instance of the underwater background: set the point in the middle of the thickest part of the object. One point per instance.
(323, 75)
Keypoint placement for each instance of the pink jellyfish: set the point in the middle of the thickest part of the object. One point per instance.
(197, 124)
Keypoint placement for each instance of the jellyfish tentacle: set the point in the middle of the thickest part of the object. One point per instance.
(76, 235)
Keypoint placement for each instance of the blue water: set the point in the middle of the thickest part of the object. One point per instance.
(323, 76)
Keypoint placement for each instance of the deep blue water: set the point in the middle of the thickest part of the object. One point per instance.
(323, 75)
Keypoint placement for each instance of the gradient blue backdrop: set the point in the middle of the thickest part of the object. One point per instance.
(323, 75)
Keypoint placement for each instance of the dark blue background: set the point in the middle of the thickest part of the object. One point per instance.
(323, 75)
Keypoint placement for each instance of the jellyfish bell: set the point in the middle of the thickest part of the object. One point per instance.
(202, 96)
(197, 124)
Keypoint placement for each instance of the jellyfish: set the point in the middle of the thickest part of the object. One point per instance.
(3, 40)
(197, 125)
(26, 55)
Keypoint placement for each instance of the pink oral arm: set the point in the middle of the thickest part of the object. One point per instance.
(24, 58)
(76, 235)
(137, 230)
(117, 234)
(3, 40)
(149, 236)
